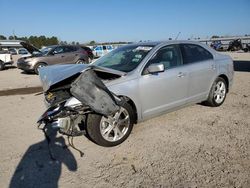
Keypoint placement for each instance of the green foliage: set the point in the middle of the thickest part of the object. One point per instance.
(2, 37)
(215, 36)
(35, 40)
(92, 42)
(41, 40)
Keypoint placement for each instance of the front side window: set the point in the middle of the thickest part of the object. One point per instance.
(58, 50)
(192, 53)
(169, 56)
(125, 58)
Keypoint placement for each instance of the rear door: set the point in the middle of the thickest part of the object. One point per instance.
(202, 70)
(165, 90)
(71, 54)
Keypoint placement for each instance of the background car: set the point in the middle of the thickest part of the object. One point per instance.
(57, 54)
(5, 59)
(145, 79)
(22, 51)
(101, 50)
(90, 53)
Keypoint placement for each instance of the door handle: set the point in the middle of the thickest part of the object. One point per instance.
(181, 74)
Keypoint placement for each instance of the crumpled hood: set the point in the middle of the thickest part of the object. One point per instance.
(51, 75)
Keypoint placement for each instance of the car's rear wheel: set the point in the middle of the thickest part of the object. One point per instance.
(80, 61)
(38, 66)
(217, 93)
(112, 130)
(1, 65)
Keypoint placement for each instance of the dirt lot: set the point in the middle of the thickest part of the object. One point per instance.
(196, 146)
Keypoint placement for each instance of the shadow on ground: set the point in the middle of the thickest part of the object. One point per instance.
(9, 67)
(37, 169)
(242, 66)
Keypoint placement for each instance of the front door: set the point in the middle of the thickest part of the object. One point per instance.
(165, 90)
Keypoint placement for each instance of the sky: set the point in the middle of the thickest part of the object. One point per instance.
(124, 20)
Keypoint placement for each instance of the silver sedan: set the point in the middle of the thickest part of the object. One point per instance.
(161, 77)
(146, 80)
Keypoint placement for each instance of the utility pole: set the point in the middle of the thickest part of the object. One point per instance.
(177, 36)
(14, 36)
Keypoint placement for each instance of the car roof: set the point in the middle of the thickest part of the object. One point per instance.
(155, 43)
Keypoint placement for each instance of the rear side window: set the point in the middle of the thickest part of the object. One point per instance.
(98, 48)
(70, 48)
(109, 47)
(192, 53)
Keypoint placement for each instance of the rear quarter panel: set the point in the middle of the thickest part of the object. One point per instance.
(224, 64)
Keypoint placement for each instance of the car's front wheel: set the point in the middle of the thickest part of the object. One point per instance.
(80, 61)
(38, 66)
(112, 130)
(217, 93)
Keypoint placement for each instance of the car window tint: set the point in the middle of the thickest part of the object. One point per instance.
(169, 56)
(58, 50)
(194, 53)
(98, 48)
(69, 48)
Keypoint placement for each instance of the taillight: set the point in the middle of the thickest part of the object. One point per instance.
(84, 52)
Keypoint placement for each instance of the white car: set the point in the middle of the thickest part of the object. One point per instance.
(5, 59)
(101, 50)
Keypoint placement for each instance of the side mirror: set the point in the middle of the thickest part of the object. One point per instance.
(155, 68)
(52, 53)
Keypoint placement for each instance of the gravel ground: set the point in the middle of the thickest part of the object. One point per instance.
(196, 146)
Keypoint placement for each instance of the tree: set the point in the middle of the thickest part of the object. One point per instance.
(11, 38)
(2, 37)
(215, 36)
(92, 42)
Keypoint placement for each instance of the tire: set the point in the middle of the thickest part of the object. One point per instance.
(39, 65)
(217, 93)
(1, 65)
(80, 61)
(97, 125)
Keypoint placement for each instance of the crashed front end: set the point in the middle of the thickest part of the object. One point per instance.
(73, 91)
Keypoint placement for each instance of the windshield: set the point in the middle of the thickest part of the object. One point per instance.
(46, 50)
(125, 58)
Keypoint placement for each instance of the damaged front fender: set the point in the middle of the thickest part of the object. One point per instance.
(90, 90)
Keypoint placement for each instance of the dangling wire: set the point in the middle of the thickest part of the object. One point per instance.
(71, 143)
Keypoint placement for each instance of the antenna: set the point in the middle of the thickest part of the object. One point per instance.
(177, 36)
